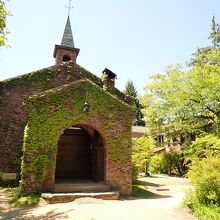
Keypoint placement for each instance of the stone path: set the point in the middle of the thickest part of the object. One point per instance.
(163, 205)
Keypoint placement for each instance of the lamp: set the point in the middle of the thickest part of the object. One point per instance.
(86, 107)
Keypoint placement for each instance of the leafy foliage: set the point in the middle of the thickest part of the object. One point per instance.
(52, 112)
(3, 31)
(135, 173)
(204, 197)
(156, 164)
(141, 153)
(215, 33)
(205, 177)
(131, 91)
(142, 150)
(168, 163)
(202, 147)
(200, 57)
(18, 200)
(208, 211)
(183, 104)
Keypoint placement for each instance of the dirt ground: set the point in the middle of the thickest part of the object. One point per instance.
(163, 204)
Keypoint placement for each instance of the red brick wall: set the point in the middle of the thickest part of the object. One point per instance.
(116, 173)
(13, 118)
(62, 52)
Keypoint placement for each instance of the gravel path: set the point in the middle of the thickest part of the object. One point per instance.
(167, 192)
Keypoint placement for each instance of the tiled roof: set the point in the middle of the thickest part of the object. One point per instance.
(138, 131)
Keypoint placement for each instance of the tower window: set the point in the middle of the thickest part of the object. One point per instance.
(66, 58)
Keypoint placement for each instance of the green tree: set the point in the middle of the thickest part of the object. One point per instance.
(142, 150)
(131, 91)
(184, 104)
(141, 153)
(215, 33)
(3, 31)
(202, 147)
(200, 56)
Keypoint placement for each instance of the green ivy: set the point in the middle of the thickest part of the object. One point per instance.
(55, 110)
(35, 79)
(118, 150)
(42, 80)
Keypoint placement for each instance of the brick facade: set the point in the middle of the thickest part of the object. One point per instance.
(13, 116)
(14, 119)
(60, 52)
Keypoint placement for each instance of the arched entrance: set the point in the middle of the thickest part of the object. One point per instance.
(80, 155)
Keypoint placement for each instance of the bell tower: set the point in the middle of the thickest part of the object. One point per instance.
(66, 51)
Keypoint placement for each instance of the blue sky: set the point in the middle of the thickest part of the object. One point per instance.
(132, 38)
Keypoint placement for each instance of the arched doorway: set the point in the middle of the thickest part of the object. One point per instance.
(80, 155)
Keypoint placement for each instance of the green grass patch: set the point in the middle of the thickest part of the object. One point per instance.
(139, 190)
(18, 200)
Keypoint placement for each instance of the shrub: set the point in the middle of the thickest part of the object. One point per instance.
(205, 177)
(156, 164)
(19, 200)
(167, 163)
(204, 173)
(204, 212)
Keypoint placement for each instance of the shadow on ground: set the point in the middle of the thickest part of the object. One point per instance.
(24, 214)
(145, 183)
(138, 192)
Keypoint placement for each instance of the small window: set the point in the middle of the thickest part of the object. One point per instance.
(66, 58)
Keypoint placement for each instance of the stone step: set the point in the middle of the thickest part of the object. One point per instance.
(69, 197)
(81, 187)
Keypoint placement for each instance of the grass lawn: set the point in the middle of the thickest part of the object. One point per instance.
(139, 190)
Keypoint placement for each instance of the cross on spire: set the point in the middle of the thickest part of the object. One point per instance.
(69, 7)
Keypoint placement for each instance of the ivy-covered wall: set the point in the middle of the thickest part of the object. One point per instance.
(53, 111)
(12, 115)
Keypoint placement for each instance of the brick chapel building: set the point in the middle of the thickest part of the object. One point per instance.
(63, 123)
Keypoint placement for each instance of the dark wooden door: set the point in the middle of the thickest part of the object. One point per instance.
(73, 156)
(97, 158)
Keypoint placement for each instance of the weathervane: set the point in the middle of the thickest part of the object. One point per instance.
(69, 7)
